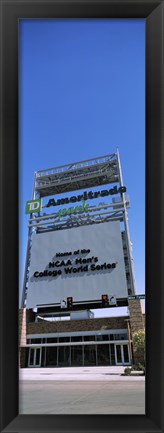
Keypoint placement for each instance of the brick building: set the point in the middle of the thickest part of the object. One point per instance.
(93, 341)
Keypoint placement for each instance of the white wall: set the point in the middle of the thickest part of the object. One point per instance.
(104, 242)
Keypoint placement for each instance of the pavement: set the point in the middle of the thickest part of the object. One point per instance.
(107, 373)
(80, 390)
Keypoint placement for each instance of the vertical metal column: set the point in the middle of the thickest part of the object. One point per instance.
(127, 234)
(45, 353)
(23, 303)
(96, 353)
(83, 348)
(57, 354)
(27, 262)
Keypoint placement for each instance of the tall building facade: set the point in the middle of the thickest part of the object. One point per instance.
(79, 258)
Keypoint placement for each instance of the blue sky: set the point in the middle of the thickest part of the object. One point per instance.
(82, 95)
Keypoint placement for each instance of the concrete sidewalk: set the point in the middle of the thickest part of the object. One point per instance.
(109, 373)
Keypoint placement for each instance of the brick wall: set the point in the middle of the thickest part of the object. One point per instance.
(25, 316)
(76, 325)
(136, 316)
(22, 326)
(137, 322)
(30, 316)
(22, 357)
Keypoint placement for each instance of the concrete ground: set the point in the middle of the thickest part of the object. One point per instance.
(80, 390)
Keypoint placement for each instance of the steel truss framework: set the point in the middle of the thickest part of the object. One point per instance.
(104, 170)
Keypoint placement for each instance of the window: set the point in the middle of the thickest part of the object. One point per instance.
(64, 359)
(51, 356)
(89, 337)
(90, 355)
(103, 356)
(120, 336)
(77, 355)
(79, 338)
(112, 354)
(104, 337)
(64, 339)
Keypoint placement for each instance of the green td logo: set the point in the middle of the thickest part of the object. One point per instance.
(33, 205)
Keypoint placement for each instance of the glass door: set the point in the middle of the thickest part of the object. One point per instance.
(34, 358)
(122, 354)
(118, 354)
(126, 357)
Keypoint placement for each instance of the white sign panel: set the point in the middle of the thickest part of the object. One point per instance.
(83, 262)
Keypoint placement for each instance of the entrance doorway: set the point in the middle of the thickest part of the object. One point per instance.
(34, 358)
(112, 353)
(122, 354)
